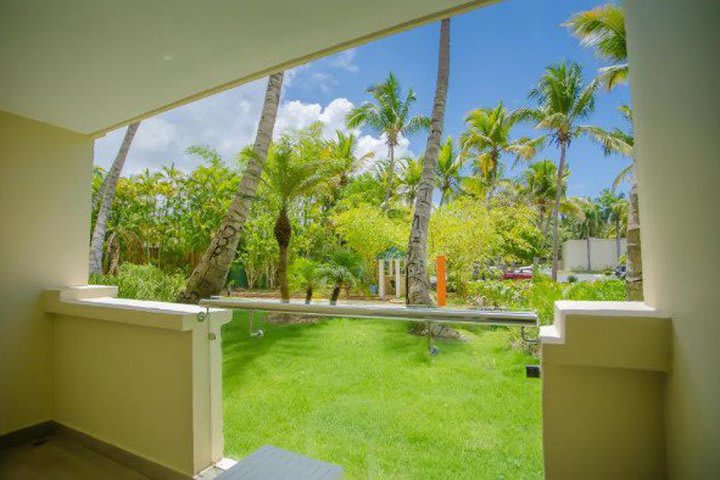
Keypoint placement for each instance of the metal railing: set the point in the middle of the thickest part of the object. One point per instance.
(424, 314)
(385, 312)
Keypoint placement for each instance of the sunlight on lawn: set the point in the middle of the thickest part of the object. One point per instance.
(365, 395)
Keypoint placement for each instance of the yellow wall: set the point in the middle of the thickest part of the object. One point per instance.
(44, 222)
(127, 385)
(603, 369)
(675, 86)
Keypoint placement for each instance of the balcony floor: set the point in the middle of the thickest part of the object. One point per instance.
(59, 458)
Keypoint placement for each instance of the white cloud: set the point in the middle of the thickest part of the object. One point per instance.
(345, 60)
(227, 122)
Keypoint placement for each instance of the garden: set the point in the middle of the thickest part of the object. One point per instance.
(306, 216)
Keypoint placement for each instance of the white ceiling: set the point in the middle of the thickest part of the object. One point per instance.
(92, 65)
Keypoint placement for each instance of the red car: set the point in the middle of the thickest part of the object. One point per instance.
(522, 273)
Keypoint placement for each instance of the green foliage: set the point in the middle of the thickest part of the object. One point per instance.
(369, 231)
(143, 282)
(540, 294)
(572, 278)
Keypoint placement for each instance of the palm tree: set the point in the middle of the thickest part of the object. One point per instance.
(289, 176)
(487, 138)
(209, 275)
(343, 157)
(343, 272)
(308, 275)
(623, 142)
(418, 285)
(411, 175)
(618, 217)
(448, 175)
(603, 28)
(588, 218)
(105, 197)
(390, 116)
(538, 185)
(563, 101)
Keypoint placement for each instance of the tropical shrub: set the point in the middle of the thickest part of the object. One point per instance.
(143, 282)
(539, 294)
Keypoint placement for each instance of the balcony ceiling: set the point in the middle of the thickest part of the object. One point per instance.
(92, 65)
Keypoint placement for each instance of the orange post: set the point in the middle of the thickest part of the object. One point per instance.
(441, 281)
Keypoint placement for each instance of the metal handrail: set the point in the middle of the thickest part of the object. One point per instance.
(387, 312)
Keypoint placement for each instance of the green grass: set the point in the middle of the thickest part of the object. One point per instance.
(365, 395)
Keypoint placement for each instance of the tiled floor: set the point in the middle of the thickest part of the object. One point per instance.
(58, 458)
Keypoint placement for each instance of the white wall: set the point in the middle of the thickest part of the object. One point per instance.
(675, 86)
(603, 253)
(44, 222)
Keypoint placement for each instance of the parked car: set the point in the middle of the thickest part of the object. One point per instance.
(621, 272)
(522, 273)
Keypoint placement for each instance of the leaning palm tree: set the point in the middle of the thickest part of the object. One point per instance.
(603, 28)
(488, 137)
(418, 285)
(389, 116)
(564, 100)
(448, 174)
(289, 176)
(106, 194)
(209, 275)
(623, 142)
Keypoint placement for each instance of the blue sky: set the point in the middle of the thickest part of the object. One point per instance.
(497, 54)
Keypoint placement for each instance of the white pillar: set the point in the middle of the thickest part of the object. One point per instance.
(397, 278)
(381, 278)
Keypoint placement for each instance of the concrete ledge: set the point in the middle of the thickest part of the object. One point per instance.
(607, 334)
(99, 303)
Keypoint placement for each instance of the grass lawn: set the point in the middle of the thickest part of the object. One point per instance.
(365, 395)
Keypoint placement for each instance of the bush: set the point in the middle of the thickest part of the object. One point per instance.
(540, 294)
(143, 282)
(572, 278)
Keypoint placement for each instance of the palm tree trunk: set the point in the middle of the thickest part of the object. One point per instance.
(334, 295)
(209, 276)
(106, 196)
(418, 285)
(589, 255)
(308, 295)
(283, 232)
(634, 280)
(617, 238)
(391, 174)
(556, 211)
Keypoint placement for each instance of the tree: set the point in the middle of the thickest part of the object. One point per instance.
(342, 272)
(618, 217)
(411, 177)
(623, 142)
(344, 159)
(289, 175)
(389, 116)
(488, 137)
(538, 185)
(209, 276)
(308, 275)
(603, 28)
(448, 175)
(588, 218)
(105, 198)
(564, 100)
(418, 285)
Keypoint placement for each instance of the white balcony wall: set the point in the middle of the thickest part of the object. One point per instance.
(44, 223)
(674, 78)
